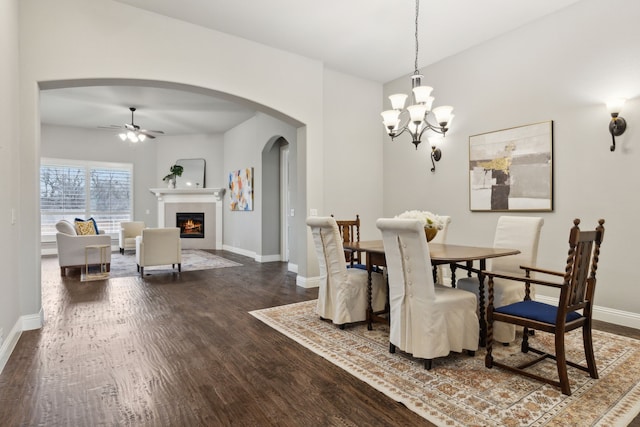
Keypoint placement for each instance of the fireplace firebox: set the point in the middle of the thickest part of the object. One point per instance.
(191, 224)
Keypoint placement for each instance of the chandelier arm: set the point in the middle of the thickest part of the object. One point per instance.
(425, 128)
(401, 131)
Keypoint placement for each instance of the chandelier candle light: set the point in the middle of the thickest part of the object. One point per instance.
(415, 118)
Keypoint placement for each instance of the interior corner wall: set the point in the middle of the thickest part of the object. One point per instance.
(243, 147)
(563, 68)
(353, 162)
(12, 304)
(208, 147)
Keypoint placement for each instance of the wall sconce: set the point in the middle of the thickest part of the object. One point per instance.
(436, 153)
(618, 125)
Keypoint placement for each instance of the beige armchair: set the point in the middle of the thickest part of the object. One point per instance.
(128, 233)
(71, 247)
(158, 246)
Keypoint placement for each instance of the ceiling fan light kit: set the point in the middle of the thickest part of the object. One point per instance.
(132, 132)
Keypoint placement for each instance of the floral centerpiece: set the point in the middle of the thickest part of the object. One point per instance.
(432, 222)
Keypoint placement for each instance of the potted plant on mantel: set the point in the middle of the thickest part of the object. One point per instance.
(175, 170)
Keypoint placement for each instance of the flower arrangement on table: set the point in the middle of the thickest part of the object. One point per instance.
(432, 222)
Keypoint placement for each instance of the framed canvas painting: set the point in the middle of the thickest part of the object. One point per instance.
(241, 190)
(512, 169)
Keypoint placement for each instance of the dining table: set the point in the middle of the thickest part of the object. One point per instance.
(441, 253)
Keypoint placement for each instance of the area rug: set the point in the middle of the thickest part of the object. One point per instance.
(192, 259)
(125, 265)
(460, 391)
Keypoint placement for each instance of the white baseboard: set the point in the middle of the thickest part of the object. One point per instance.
(610, 315)
(239, 251)
(268, 258)
(292, 268)
(24, 323)
(308, 282)
(33, 321)
(252, 254)
(9, 344)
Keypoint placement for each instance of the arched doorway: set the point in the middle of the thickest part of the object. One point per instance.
(277, 206)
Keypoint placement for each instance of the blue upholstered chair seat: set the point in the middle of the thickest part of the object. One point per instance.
(535, 310)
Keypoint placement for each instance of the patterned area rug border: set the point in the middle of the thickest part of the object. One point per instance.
(459, 390)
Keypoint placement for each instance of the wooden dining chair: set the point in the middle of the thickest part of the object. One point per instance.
(576, 294)
(350, 232)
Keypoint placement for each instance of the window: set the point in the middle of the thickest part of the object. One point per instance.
(72, 189)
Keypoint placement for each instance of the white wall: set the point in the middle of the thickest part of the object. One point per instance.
(151, 159)
(12, 297)
(243, 149)
(353, 165)
(561, 68)
(68, 40)
(63, 142)
(207, 147)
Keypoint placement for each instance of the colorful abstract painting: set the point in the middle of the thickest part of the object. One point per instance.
(241, 190)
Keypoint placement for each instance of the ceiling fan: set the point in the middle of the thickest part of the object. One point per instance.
(132, 132)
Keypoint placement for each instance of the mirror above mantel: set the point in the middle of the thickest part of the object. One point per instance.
(193, 173)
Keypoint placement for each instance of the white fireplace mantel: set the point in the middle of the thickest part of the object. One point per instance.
(161, 192)
(187, 196)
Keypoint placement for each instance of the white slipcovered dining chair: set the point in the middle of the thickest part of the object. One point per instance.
(426, 320)
(158, 246)
(514, 232)
(441, 237)
(342, 294)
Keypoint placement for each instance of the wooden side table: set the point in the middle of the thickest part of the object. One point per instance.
(103, 273)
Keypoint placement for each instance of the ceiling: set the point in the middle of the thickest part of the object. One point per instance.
(357, 37)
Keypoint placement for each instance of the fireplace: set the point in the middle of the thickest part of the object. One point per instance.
(191, 224)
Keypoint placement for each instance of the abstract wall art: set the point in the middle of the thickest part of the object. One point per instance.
(241, 189)
(512, 169)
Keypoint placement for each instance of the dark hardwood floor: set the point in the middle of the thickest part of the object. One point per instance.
(182, 350)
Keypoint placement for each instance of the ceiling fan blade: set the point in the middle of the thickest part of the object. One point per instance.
(111, 127)
(146, 131)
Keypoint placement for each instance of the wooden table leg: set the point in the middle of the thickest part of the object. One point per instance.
(369, 294)
(482, 309)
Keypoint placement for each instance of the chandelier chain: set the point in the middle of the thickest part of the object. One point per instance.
(416, 35)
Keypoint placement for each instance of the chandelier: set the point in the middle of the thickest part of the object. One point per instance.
(415, 119)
